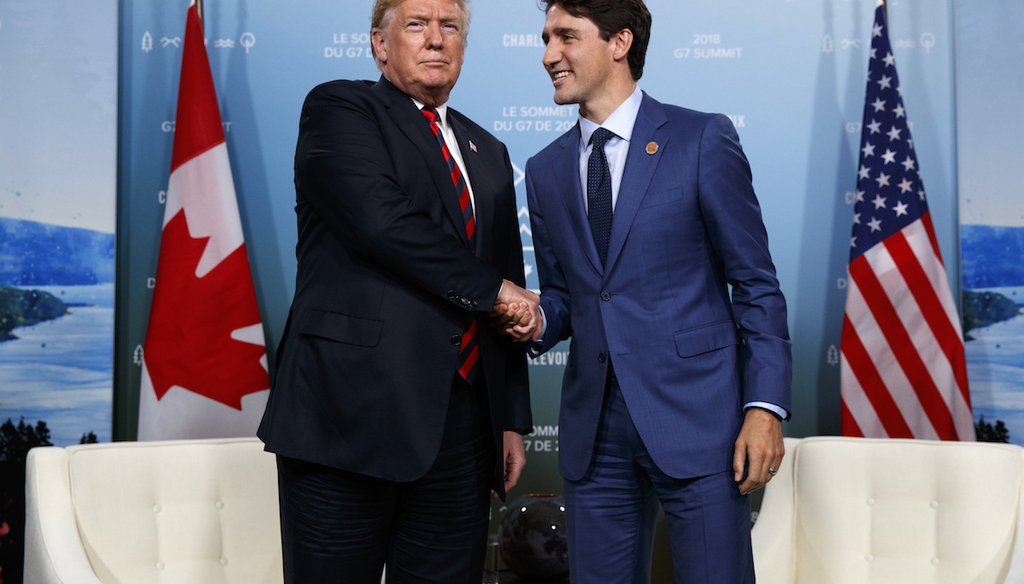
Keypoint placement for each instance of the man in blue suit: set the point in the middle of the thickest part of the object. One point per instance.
(653, 257)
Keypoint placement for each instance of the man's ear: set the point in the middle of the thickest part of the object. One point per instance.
(622, 41)
(379, 47)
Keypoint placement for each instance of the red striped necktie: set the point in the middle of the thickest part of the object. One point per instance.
(469, 347)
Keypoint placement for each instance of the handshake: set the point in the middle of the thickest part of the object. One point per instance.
(517, 312)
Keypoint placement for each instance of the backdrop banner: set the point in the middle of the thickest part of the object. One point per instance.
(990, 147)
(58, 191)
(789, 73)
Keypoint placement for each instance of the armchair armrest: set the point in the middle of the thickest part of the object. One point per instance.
(1016, 572)
(773, 533)
(53, 547)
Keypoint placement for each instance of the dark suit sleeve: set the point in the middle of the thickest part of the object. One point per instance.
(518, 415)
(345, 170)
(555, 298)
(733, 219)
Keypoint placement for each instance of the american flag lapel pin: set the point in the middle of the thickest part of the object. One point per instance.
(472, 146)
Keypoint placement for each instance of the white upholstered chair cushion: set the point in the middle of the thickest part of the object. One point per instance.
(856, 510)
(169, 512)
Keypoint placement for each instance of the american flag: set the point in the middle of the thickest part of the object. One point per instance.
(903, 370)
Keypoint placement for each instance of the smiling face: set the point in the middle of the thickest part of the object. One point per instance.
(584, 68)
(420, 47)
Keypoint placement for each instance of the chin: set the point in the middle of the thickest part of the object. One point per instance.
(562, 99)
(443, 87)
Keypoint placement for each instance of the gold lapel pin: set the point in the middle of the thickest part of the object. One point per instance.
(652, 148)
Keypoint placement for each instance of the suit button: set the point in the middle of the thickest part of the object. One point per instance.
(601, 358)
(451, 295)
(457, 339)
(606, 295)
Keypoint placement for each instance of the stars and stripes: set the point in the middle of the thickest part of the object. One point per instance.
(903, 368)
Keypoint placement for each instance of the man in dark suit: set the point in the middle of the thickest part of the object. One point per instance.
(395, 409)
(644, 222)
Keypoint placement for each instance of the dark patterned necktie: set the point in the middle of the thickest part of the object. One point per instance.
(469, 347)
(599, 192)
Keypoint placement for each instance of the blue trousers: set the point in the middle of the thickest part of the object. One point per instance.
(611, 513)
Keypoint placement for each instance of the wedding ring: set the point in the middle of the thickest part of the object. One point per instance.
(772, 470)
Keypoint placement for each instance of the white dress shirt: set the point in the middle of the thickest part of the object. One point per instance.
(453, 144)
(620, 123)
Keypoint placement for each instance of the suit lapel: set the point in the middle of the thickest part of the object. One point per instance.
(411, 122)
(571, 191)
(636, 177)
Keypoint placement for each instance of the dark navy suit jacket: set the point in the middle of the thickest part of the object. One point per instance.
(687, 231)
(386, 284)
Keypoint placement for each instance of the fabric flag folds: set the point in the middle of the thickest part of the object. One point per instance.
(204, 370)
(903, 368)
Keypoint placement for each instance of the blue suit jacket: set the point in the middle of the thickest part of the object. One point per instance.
(687, 229)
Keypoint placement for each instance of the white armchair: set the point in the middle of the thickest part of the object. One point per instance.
(859, 510)
(137, 512)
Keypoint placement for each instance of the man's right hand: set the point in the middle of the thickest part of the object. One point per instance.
(517, 312)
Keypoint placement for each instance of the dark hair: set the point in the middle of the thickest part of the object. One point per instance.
(611, 16)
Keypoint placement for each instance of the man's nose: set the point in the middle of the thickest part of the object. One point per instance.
(434, 37)
(551, 55)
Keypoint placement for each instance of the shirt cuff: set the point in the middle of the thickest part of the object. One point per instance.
(780, 412)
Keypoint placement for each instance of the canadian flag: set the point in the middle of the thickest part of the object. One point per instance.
(204, 370)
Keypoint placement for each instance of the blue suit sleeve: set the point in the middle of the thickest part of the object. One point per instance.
(554, 298)
(732, 216)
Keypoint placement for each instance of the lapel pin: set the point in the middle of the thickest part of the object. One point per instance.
(652, 148)
(472, 146)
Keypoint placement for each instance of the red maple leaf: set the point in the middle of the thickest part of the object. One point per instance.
(189, 342)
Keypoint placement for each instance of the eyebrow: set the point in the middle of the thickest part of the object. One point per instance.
(427, 15)
(560, 31)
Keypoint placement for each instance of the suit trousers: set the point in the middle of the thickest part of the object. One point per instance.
(342, 527)
(611, 513)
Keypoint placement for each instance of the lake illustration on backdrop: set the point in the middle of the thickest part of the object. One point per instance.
(57, 328)
(993, 314)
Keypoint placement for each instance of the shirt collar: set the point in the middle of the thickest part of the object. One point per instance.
(442, 111)
(620, 122)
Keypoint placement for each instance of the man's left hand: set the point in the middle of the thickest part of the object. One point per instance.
(514, 455)
(759, 448)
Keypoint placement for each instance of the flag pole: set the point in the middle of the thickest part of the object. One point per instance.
(199, 8)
